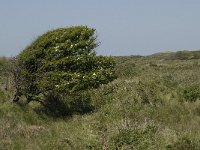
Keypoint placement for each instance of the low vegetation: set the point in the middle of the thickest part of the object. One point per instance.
(153, 104)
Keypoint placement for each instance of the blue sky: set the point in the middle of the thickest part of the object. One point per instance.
(124, 27)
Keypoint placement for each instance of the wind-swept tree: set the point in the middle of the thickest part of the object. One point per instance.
(62, 61)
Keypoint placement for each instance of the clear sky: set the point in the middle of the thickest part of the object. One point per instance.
(124, 27)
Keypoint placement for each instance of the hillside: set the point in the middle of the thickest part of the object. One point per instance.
(180, 55)
(153, 104)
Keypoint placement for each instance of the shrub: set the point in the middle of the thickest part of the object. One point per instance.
(192, 93)
(58, 106)
(136, 139)
(148, 93)
(2, 96)
(62, 61)
(184, 144)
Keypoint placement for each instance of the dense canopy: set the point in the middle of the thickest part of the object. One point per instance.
(63, 61)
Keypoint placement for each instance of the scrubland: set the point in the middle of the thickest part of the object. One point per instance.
(153, 104)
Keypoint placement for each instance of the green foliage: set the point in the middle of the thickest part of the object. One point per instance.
(184, 144)
(136, 139)
(63, 61)
(58, 106)
(144, 108)
(148, 93)
(186, 55)
(179, 55)
(2, 96)
(192, 93)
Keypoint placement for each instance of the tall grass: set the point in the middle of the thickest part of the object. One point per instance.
(147, 107)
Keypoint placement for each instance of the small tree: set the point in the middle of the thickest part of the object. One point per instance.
(62, 61)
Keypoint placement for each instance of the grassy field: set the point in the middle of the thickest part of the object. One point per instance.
(154, 104)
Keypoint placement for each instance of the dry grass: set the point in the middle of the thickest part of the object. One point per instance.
(144, 108)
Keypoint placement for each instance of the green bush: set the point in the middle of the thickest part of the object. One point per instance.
(58, 106)
(192, 93)
(184, 144)
(63, 62)
(2, 96)
(136, 139)
(148, 93)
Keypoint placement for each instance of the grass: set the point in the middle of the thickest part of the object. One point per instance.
(148, 107)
